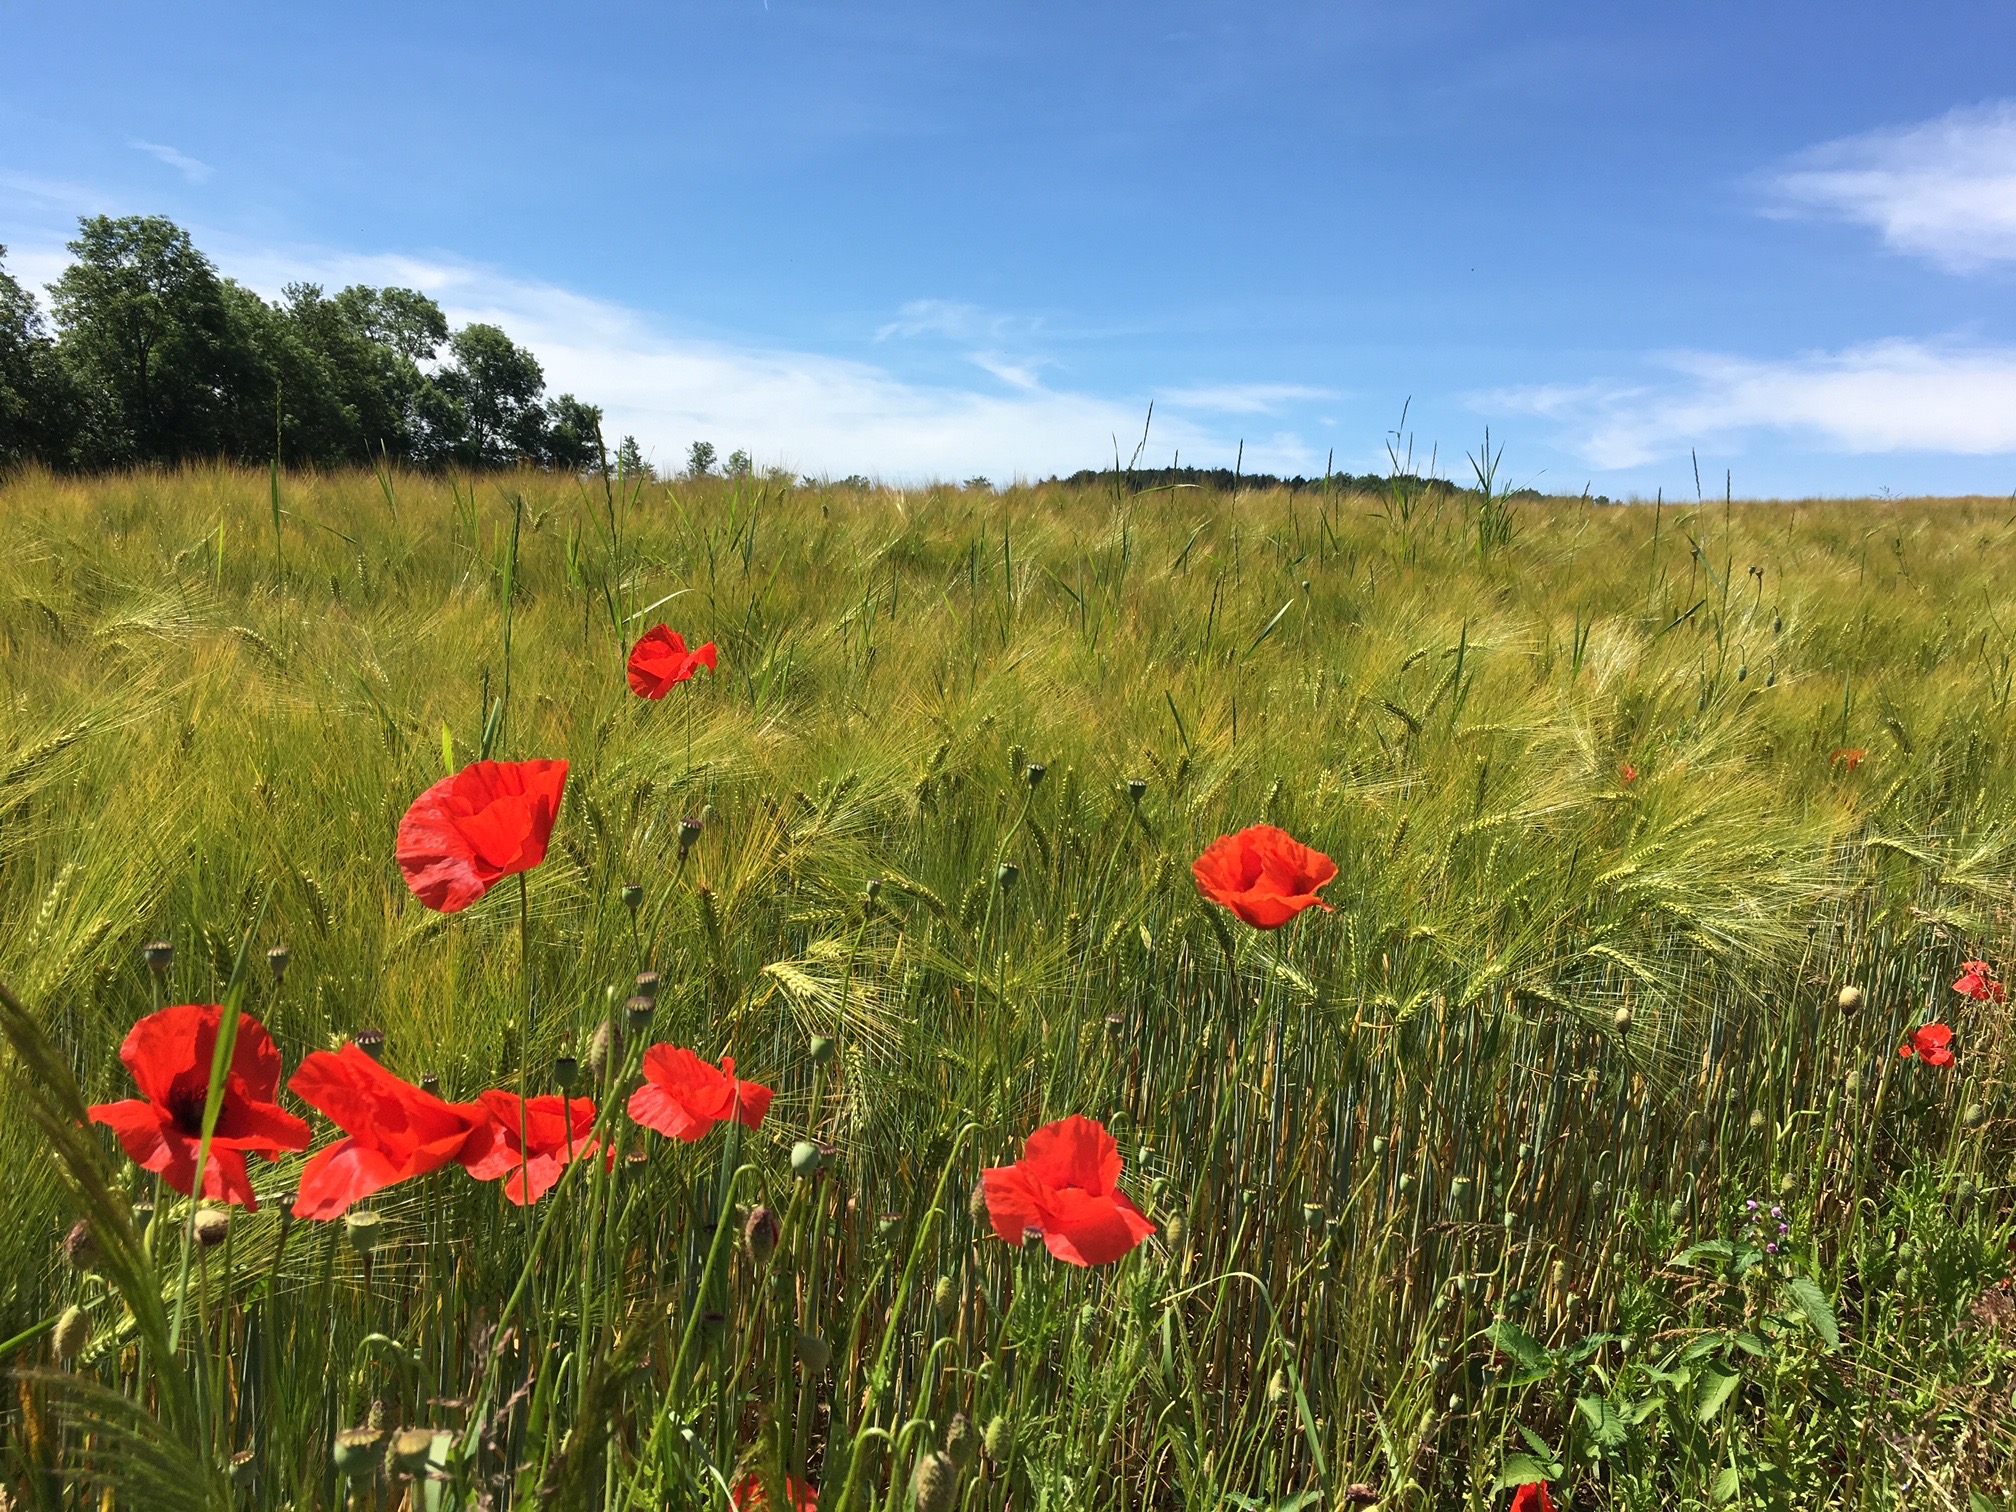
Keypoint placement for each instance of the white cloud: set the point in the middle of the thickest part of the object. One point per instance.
(193, 169)
(1242, 398)
(1891, 396)
(1943, 189)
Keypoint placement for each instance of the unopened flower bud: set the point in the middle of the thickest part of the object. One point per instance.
(1757, 1121)
(72, 1333)
(761, 1233)
(605, 1046)
(371, 1042)
(276, 961)
(1622, 1019)
(210, 1226)
(814, 1353)
(962, 1441)
(1850, 999)
(999, 1440)
(1175, 1233)
(934, 1486)
(80, 1248)
(945, 1298)
(1975, 1116)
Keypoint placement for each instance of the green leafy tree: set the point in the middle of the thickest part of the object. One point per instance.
(700, 459)
(38, 410)
(573, 436)
(496, 383)
(630, 460)
(370, 343)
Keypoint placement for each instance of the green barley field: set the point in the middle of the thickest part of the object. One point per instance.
(1451, 1185)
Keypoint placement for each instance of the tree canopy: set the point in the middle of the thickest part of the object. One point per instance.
(156, 357)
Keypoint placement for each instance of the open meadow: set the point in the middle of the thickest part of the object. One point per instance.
(1550, 1150)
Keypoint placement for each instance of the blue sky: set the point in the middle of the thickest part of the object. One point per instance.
(916, 240)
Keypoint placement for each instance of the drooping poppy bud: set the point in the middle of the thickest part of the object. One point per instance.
(72, 1333)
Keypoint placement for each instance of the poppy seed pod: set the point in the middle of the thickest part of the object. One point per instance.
(1312, 1215)
(1850, 999)
(371, 1042)
(1007, 874)
(80, 1248)
(805, 1161)
(760, 1234)
(934, 1485)
(814, 1353)
(1035, 774)
(430, 1083)
(72, 1333)
(821, 1049)
(646, 985)
(888, 1226)
(566, 1072)
(962, 1441)
(632, 895)
(1622, 1019)
(361, 1229)
(210, 1226)
(1379, 1144)
(276, 961)
(637, 1011)
(409, 1450)
(356, 1452)
(689, 831)
(1137, 789)
(159, 956)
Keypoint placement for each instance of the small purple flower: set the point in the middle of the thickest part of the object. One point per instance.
(1784, 1228)
(1750, 1203)
(1777, 1213)
(1770, 1249)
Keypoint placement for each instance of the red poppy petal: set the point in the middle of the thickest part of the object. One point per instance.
(437, 863)
(1015, 1201)
(752, 1101)
(151, 1141)
(1074, 1152)
(1087, 1230)
(1938, 1055)
(262, 1126)
(168, 1043)
(657, 1109)
(225, 1179)
(343, 1173)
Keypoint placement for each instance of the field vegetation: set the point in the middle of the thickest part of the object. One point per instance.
(1453, 1185)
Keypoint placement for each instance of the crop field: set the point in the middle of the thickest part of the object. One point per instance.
(1598, 1130)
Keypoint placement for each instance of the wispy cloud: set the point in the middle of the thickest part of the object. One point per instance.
(193, 169)
(1943, 189)
(1891, 396)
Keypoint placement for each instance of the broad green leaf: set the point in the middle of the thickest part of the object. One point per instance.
(1521, 1470)
(1716, 1389)
(1519, 1344)
(1727, 1484)
(1720, 1249)
(1813, 1303)
(1606, 1426)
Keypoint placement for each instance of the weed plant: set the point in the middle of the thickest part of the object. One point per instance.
(1453, 1184)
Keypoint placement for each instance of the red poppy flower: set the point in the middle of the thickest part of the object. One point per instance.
(1847, 756)
(395, 1130)
(1628, 772)
(749, 1494)
(1933, 1044)
(1977, 981)
(532, 1150)
(684, 1096)
(467, 832)
(169, 1055)
(1065, 1187)
(1532, 1497)
(660, 659)
(1263, 874)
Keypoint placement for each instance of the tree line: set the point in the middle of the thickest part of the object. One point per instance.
(155, 357)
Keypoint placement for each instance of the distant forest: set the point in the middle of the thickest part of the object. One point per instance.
(157, 358)
(1225, 479)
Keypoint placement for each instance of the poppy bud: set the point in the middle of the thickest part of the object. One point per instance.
(1558, 1276)
(944, 1298)
(962, 1441)
(1006, 874)
(276, 962)
(356, 1452)
(604, 1046)
(1137, 789)
(638, 1010)
(430, 1082)
(713, 1327)
(934, 1485)
(814, 1353)
(1277, 1388)
(1853, 1085)
(689, 831)
(1965, 1193)
(210, 1226)
(805, 1161)
(361, 1229)
(1850, 999)
(1975, 1116)
(72, 1333)
(410, 1448)
(761, 1233)
(1598, 1189)
(1175, 1232)
(1622, 1019)
(1036, 773)
(80, 1249)
(159, 955)
(632, 895)
(566, 1072)
(998, 1442)
(976, 1204)
(371, 1042)
(646, 985)
(821, 1050)
(1787, 1184)
(1676, 1212)
(1757, 1121)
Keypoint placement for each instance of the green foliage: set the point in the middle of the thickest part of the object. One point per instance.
(1435, 1216)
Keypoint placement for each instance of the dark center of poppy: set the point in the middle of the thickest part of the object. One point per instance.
(185, 1106)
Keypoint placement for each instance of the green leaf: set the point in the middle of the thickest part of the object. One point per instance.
(1541, 1448)
(1519, 1344)
(1606, 1426)
(1720, 1249)
(1750, 1344)
(1813, 1303)
(1716, 1388)
(1727, 1484)
(1522, 1470)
